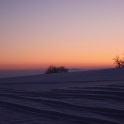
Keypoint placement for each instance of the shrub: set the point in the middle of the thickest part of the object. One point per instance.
(119, 62)
(54, 69)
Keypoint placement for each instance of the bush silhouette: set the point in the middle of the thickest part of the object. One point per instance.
(54, 69)
(119, 62)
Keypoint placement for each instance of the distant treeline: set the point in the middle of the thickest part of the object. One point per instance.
(54, 69)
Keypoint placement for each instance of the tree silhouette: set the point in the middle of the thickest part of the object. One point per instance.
(54, 69)
(119, 62)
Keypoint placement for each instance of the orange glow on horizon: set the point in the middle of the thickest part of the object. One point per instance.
(44, 66)
(74, 34)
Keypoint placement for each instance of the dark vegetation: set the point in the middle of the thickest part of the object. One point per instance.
(54, 69)
(119, 62)
(61, 69)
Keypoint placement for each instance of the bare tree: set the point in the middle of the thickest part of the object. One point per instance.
(54, 69)
(119, 62)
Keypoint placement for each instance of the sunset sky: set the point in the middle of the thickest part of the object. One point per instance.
(72, 33)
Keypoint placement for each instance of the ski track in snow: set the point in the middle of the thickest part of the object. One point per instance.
(89, 97)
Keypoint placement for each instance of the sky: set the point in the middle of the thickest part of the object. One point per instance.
(73, 33)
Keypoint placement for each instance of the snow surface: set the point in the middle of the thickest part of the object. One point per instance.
(87, 97)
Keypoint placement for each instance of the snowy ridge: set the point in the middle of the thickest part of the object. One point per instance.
(89, 97)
